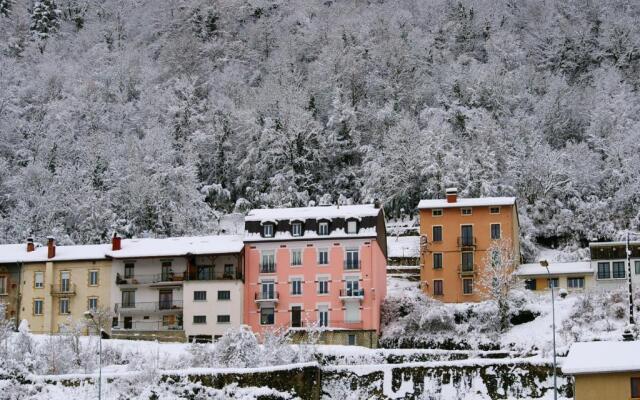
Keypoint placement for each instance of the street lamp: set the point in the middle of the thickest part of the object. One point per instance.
(89, 315)
(545, 264)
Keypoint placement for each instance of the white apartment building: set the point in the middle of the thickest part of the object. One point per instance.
(609, 263)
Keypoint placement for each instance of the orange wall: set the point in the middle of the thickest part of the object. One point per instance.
(451, 221)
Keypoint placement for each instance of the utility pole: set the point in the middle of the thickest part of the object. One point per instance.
(631, 319)
(545, 264)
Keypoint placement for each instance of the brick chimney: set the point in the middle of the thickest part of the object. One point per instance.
(51, 247)
(116, 242)
(452, 195)
(30, 246)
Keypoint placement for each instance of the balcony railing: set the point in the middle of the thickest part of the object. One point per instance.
(267, 296)
(148, 326)
(352, 293)
(215, 276)
(67, 289)
(154, 306)
(351, 264)
(149, 279)
(466, 241)
(267, 268)
(467, 270)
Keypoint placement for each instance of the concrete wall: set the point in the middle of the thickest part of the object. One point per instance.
(213, 307)
(612, 284)
(615, 386)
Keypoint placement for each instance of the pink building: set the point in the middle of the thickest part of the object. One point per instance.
(322, 266)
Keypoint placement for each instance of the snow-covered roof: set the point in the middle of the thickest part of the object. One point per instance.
(618, 243)
(602, 357)
(178, 246)
(318, 212)
(403, 246)
(18, 253)
(310, 235)
(555, 268)
(473, 202)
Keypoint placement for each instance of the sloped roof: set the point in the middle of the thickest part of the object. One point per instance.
(555, 268)
(318, 212)
(602, 357)
(18, 253)
(471, 202)
(178, 246)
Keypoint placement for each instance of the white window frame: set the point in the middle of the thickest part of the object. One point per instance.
(38, 310)
(64, 300)
(464, 209)
(494, 207)
(296, 229)
(437, 212)
(324, 308)
(268, 230)
(93, 272)
(36, 284)
(325, 250)
(296, 280)
(323, 279)
(491, 225)
(91, 299)
(323, 228)
(193, 320)
(463, 287)
(352, 226)
(200, 291)
(298, 251)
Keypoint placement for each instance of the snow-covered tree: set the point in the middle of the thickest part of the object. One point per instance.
(5, 7)
(44, 20)
(239, 348)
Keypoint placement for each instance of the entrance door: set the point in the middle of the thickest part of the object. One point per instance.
(165, 300)
(128, 322)
(296, 316)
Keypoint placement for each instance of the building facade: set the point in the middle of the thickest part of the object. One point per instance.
(10, 277)
(176, 288)
(571, 276)
(609, 264)
(455, 236)
(316, 266)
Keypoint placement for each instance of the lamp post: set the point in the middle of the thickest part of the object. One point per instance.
(89, 315)
(545, 264)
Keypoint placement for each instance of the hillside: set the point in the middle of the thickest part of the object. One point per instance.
(160, 117)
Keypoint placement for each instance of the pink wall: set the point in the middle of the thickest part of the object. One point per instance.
(372, 280)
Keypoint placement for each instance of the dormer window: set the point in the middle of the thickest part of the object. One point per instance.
(296, 229)
(352, 226)
(267, 230)
(323, 228)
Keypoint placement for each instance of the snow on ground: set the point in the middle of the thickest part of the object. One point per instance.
(397, 285)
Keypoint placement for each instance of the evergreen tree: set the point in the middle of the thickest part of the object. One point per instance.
(44, 21)
(5, 8)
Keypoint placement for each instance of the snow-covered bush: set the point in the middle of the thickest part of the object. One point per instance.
(238, 347)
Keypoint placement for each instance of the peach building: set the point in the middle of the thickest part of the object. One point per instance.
(316, 266)
(455, 236)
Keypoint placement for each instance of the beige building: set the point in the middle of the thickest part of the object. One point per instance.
(60, 283)
(571, 276)
(604, 370)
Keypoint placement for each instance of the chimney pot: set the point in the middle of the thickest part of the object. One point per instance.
(116, 242)
(376, 203)
(51, 247)
(30, 245)
(452, 195)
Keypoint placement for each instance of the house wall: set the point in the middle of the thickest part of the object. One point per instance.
(618, 283)
(213, 307)
(372, 278)
(541, 281)
(614, 386)
(10, 299)
(451, 221)
(51, 319)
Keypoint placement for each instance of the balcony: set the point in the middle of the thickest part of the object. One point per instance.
(165, 306)
(352, 265)
(148, 326)
(66, 289)
(268, 268)
(263, 297)
(167, 279)
(215, 276)
(351, 294)
(467, 242)
(467, 270)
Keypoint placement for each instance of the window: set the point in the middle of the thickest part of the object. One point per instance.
(229, 271)
(268, 290)
(38, 280)
(200, 295)
(38, 306)
(323, 256)
(267, 230)
(438, 290)
(323, 228)
(466, 235)
(436, 212)
(65, 281)
(224, 295)
(129, 270)
(604, 270)
(575, 283)
(128, 298)
(323, 315)
(437, 260)
(467, 261)
(296, 286)
(494, 210)
(3, 285)
(530, 284)
(224, 319)
(92, 304)
(266, 316)
(351, 340)
(618, 270)
(495, 231)
(63, 306)
(167, 271)
(467, 286)
(352, 226)
(637, 267)
(437, 233)
(199, 319)
(268, 263)
(323, 285)
(465, 211)
(204, 272)
(93, 278)
(635, 388)
(352, 260)
(296, 229)
(352, 286)
(553, 282)
(296, 257)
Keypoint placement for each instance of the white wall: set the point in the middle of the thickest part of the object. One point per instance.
(611, 284)
(213, 307)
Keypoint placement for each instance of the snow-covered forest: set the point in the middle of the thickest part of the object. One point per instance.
(157, 117)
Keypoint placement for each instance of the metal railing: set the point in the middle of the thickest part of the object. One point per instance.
(466, 241)
(215, 276)
(352, 264)
(267, 268)
(465, 270)
(351, 292)
(66, 289)
(149, 279)
(153, 306)
(148, 326)
(267, 296)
